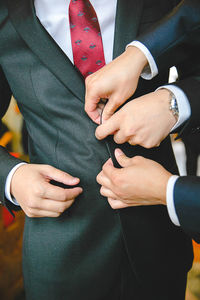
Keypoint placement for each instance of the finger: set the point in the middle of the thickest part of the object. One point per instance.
(92, 109)
(109, 127)
(107, 193)
(122, 159)
(91, 101)
(117, 204)
(52, 206)
(119, 137)
(111, 106)
(36, 213)
(103, 180)
(108, 162)
(109, 169)
(60, 194)
(131, 141)
(58, 175)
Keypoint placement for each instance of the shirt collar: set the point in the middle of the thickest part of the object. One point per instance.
(50, 7)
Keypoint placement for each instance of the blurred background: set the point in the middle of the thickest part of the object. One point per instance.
(13, 136)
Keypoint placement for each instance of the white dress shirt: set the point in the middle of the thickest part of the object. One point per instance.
(53, 15)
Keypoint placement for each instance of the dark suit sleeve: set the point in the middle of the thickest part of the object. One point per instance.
(187, 204)
(7, 162)
(191, 88)
(176, 37)
(175, 41)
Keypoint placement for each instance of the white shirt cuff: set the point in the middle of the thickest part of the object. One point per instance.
(8, 182)
(170, 200)
(151, 70)
(182, 102)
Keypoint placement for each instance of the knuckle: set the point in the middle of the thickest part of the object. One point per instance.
(90, 82)
(39, 190)
(98, 178)
(138, 141)
(49, 168)
(115, 138)
(29, 213)
(137, 159)
(102, 191)
(61, 209)
(45, 166)
(116, 179)
(69, 203)
(104, 168)
(113, 205)
(118, 139)
(56, 215)
(115, 103)
(70, 195)
(129, 132)
(147, 145)
(89, 79)
(30, 203)
(119, 193)
(63, 195)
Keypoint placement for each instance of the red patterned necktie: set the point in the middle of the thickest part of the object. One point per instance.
(86, 38)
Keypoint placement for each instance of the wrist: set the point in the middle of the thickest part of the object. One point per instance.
(163, 187)
(136, 55)
(15, 174)
(165, 99)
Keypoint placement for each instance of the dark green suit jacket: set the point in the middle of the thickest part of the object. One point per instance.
(90, 252)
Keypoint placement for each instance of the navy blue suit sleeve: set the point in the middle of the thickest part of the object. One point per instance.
(187, 204)
(176, 37)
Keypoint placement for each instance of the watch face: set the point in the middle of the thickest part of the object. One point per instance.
(173, 105)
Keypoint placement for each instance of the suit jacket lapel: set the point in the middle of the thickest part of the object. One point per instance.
(25, 21)
(126, 24)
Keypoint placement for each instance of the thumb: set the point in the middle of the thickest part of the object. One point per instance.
(122, 159)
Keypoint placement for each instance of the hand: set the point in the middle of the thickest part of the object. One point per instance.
(144, 121)
(141, 181)
(117, 82)
(31, 187)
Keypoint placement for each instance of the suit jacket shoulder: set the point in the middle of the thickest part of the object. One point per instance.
(166, 39)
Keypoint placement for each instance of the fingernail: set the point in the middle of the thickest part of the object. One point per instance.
(118, 152)
(110, 162)
(81, 190)
(75, 180)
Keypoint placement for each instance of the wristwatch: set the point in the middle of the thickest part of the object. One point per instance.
(173, 106)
